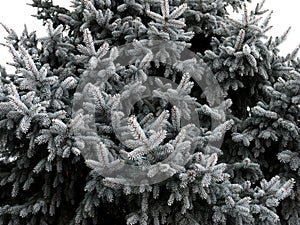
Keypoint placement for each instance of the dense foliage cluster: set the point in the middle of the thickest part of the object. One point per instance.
(48, 175)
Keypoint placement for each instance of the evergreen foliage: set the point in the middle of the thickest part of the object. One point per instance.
(47, 174)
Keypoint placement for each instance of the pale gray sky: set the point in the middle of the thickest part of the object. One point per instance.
(15, 13)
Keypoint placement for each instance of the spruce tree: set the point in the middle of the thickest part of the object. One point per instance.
(149, 112)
